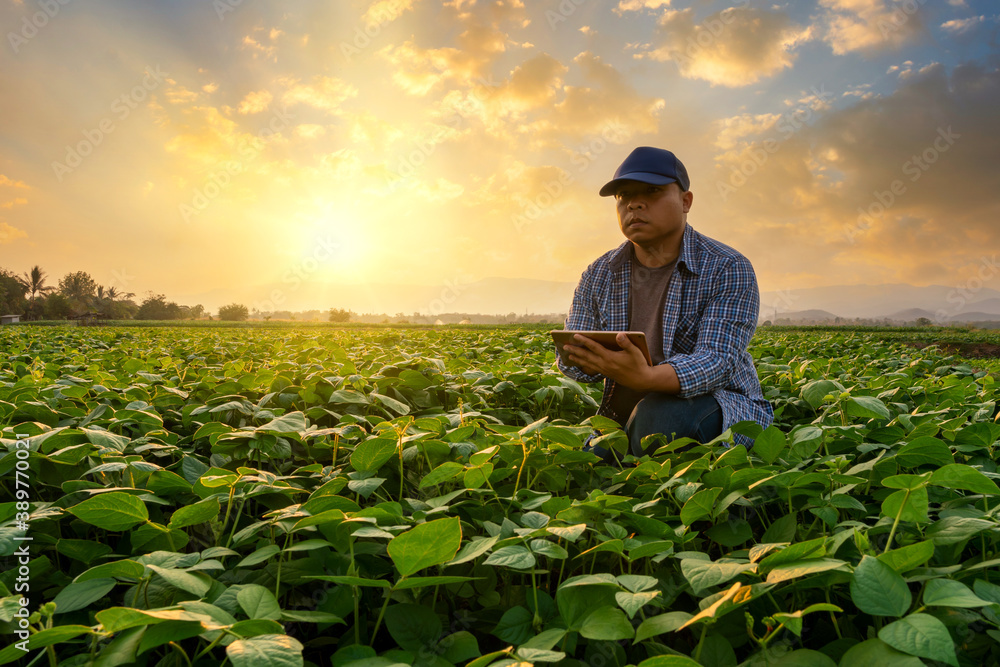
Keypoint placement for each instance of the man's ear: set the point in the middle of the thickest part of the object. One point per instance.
(687, 198)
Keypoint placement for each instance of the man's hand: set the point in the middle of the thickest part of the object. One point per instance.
(627, 366)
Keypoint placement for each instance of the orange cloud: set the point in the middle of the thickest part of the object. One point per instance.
(255, 102)
(735, 47)
(7, 181)
(10, 234)
(869, 26)
(326, 93)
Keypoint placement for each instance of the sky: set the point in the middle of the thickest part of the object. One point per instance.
(285, 149)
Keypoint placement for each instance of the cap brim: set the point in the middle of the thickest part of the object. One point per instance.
(641, 176)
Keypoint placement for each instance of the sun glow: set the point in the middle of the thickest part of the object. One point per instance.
(332, 247)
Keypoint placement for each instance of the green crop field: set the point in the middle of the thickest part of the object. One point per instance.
(370, 497)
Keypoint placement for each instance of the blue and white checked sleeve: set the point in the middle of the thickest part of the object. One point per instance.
(726, 326)
(582, 317)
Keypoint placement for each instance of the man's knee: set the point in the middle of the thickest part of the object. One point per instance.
(696, 417)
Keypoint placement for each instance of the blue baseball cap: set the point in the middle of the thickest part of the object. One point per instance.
(655, 166)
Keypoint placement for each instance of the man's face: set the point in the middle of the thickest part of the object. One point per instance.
(652, 215)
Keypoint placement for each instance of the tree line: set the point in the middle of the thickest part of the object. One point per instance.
(77, 294)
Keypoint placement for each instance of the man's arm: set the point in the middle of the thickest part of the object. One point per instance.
(726, 327)
(626, 366)
(582, 317)
(724, 333)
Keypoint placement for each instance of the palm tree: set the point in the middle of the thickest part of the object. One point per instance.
(100, 302)
(34, 282)
(107, 299)
(114, 294)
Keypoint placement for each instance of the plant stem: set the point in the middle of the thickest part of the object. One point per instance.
(381, 613)
(833, 619)
(281, 554)
(520, 468)
(701, 642)
(183, 654)
(400, 448)
(357, 616)
(222, 633)
(537, 620)
(982, 535)
(895, 523)
(236, 522)
(357, 598)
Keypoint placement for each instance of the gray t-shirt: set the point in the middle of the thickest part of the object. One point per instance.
(647, 295)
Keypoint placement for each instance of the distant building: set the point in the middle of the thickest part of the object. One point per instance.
(10, 319)
(87, 318)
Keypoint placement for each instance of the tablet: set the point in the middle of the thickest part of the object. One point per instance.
(606, 338)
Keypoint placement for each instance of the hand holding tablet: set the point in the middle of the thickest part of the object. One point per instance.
(564, 337)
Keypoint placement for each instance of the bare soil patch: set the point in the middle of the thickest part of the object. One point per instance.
(967, 350)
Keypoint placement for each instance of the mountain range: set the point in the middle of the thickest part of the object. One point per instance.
(901, 302)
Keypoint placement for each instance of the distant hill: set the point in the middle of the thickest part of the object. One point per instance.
(911, 315)
(975, 317)
(487, 296)
(878, 301)
(495, 295)
(990, 306)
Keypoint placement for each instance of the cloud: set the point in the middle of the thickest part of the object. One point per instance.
(887, 187)
(735, 47)
(310, 131)
(418, 70)
(438, 190)
(516, 184)
(638, 5)
(255, 102)
(862, 90)
(869, 26)
(958, 26)
(179, 94)
(608, 97)
(532, 84)
(369, 130)
(482, 40)
(259, 48)
(9, 234)
(731, 131)
(325, 93)
(9, 182)
(386, 11)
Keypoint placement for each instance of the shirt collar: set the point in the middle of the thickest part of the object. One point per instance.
(688, 256)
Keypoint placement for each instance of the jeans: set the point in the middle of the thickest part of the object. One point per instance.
(698, 417)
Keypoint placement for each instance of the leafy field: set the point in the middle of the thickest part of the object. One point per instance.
(374, 497)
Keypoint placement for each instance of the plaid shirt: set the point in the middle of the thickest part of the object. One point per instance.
(708, 319)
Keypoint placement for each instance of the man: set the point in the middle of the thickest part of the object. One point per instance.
(695, 299)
